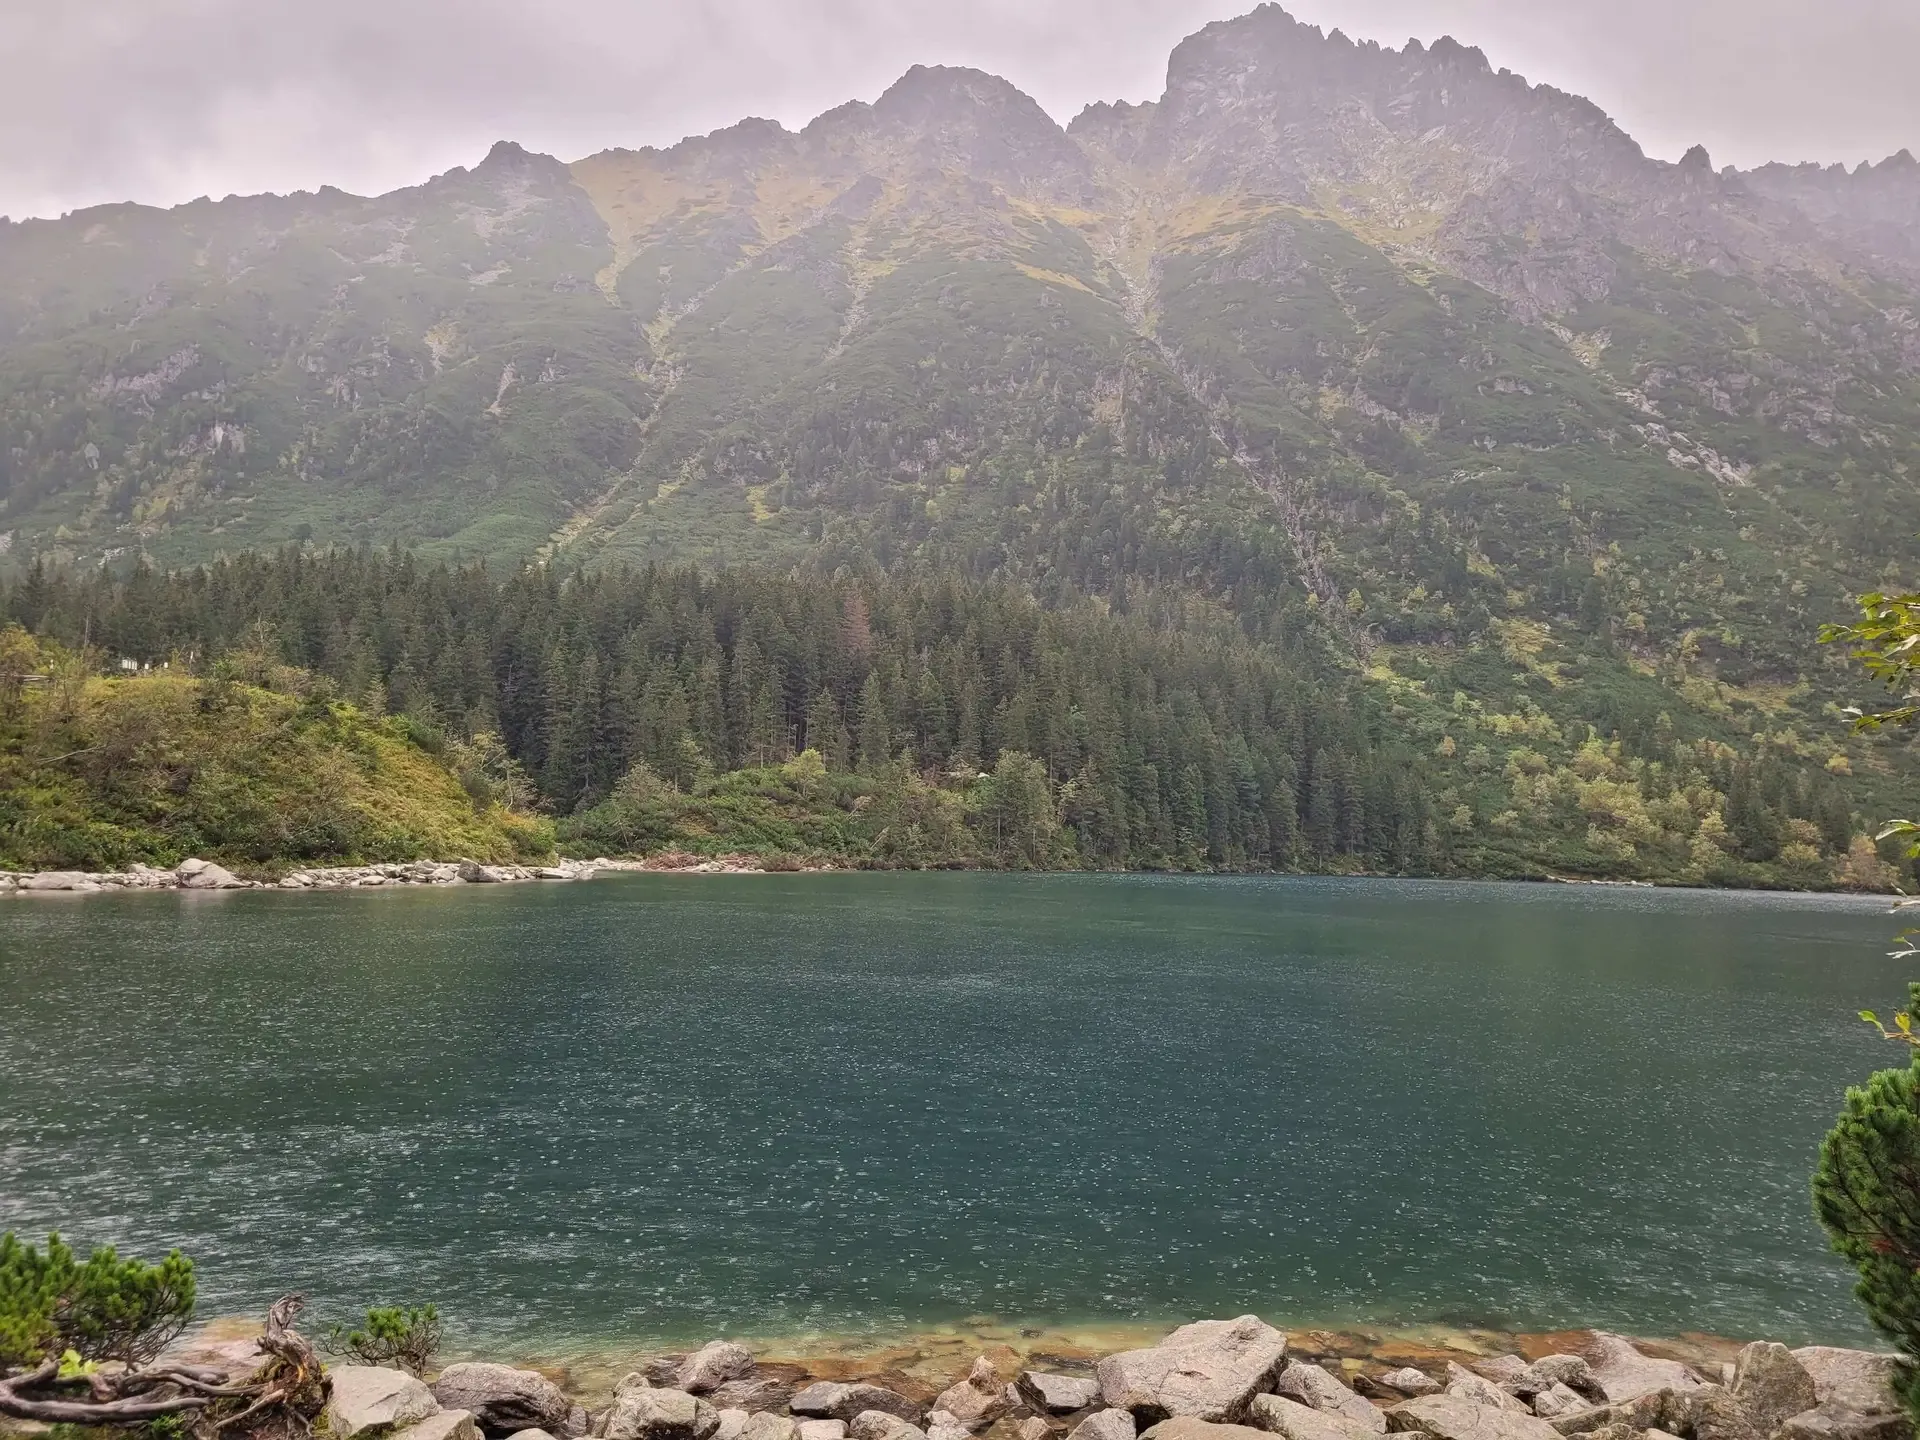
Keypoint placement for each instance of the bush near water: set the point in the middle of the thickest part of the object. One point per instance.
(364, 706)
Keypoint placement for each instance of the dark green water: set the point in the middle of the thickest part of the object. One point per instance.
(657, 1107)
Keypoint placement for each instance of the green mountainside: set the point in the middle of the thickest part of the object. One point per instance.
(1382, 355)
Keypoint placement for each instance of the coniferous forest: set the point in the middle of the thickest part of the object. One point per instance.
(918, 718)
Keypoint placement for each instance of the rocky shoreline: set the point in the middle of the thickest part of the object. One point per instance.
(1238, 1379)
(205, 875)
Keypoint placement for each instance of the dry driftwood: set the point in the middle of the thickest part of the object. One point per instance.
(285, 1393)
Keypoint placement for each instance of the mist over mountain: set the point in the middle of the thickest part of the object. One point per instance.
(1383, 347)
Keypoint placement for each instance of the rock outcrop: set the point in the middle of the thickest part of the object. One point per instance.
(371, 1399)
(1209, 1370)
(503, 1399)
(1317, 1389)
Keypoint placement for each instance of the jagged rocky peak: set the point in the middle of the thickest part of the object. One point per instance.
(1874, 208)
(958, 120)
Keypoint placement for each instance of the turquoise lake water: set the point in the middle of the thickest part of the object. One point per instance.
(655, 1108)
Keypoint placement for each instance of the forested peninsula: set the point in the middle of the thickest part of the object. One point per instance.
(303, 708)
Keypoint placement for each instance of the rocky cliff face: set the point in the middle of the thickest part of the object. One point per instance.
(1389, 331)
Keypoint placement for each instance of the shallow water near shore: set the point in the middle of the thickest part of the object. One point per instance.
(647, 1109)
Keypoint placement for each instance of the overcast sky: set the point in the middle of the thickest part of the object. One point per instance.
(164, 100)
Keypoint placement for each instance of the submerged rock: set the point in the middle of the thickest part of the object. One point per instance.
(1208, 1370)
(368, 1399)
(502, 1398)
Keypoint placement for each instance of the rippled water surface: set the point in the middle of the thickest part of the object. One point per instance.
(656, 1107)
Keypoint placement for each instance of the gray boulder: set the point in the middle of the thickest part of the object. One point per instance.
(368, 1399)
(1034, 1428)
(831, 1400)
(1278, 1415)
(1655, 1410)
(642, 1412)
(822, 1430)
(204, 875)
(733, 1423)
(945, 1425)
(1318, 1389)
(1209, 1370)
(1450, 1417)
(1191, 1427)
(766, 1425)
(60, 880)
(1572, 1371)
(760, 1392)
(1857, 1380)
(502, 1398)
(1057, 1394)
(712, 1365)
(1622, 1372)
(1105, 1425)
(1409, 1381)
(978, 1399)
(441, 1425)
(1557, 1400)
(1469, 1386)
(881, 1425)
(1837, 1424)
(1771, 1385)
(1504, 1369)
(532, 1434)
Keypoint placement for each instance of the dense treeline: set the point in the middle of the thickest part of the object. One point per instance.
(1162, 737)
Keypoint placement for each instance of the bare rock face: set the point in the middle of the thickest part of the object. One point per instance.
(712, 1365)
(1318, 1389)
(1449, 1417)
(368, 1399)
(1291, 1420)
(502, 1398)
(642, 1412)
(1622, 1372)
(1105, 1425)
(1771, 1385)
(979, 1399)
(1856, 1380)
(1209, 1370)
(1056, 1394)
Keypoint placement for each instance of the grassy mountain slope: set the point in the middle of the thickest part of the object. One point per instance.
(99, 772)
(1381, 348)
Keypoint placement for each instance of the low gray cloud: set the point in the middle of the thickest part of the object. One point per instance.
(164, 100)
